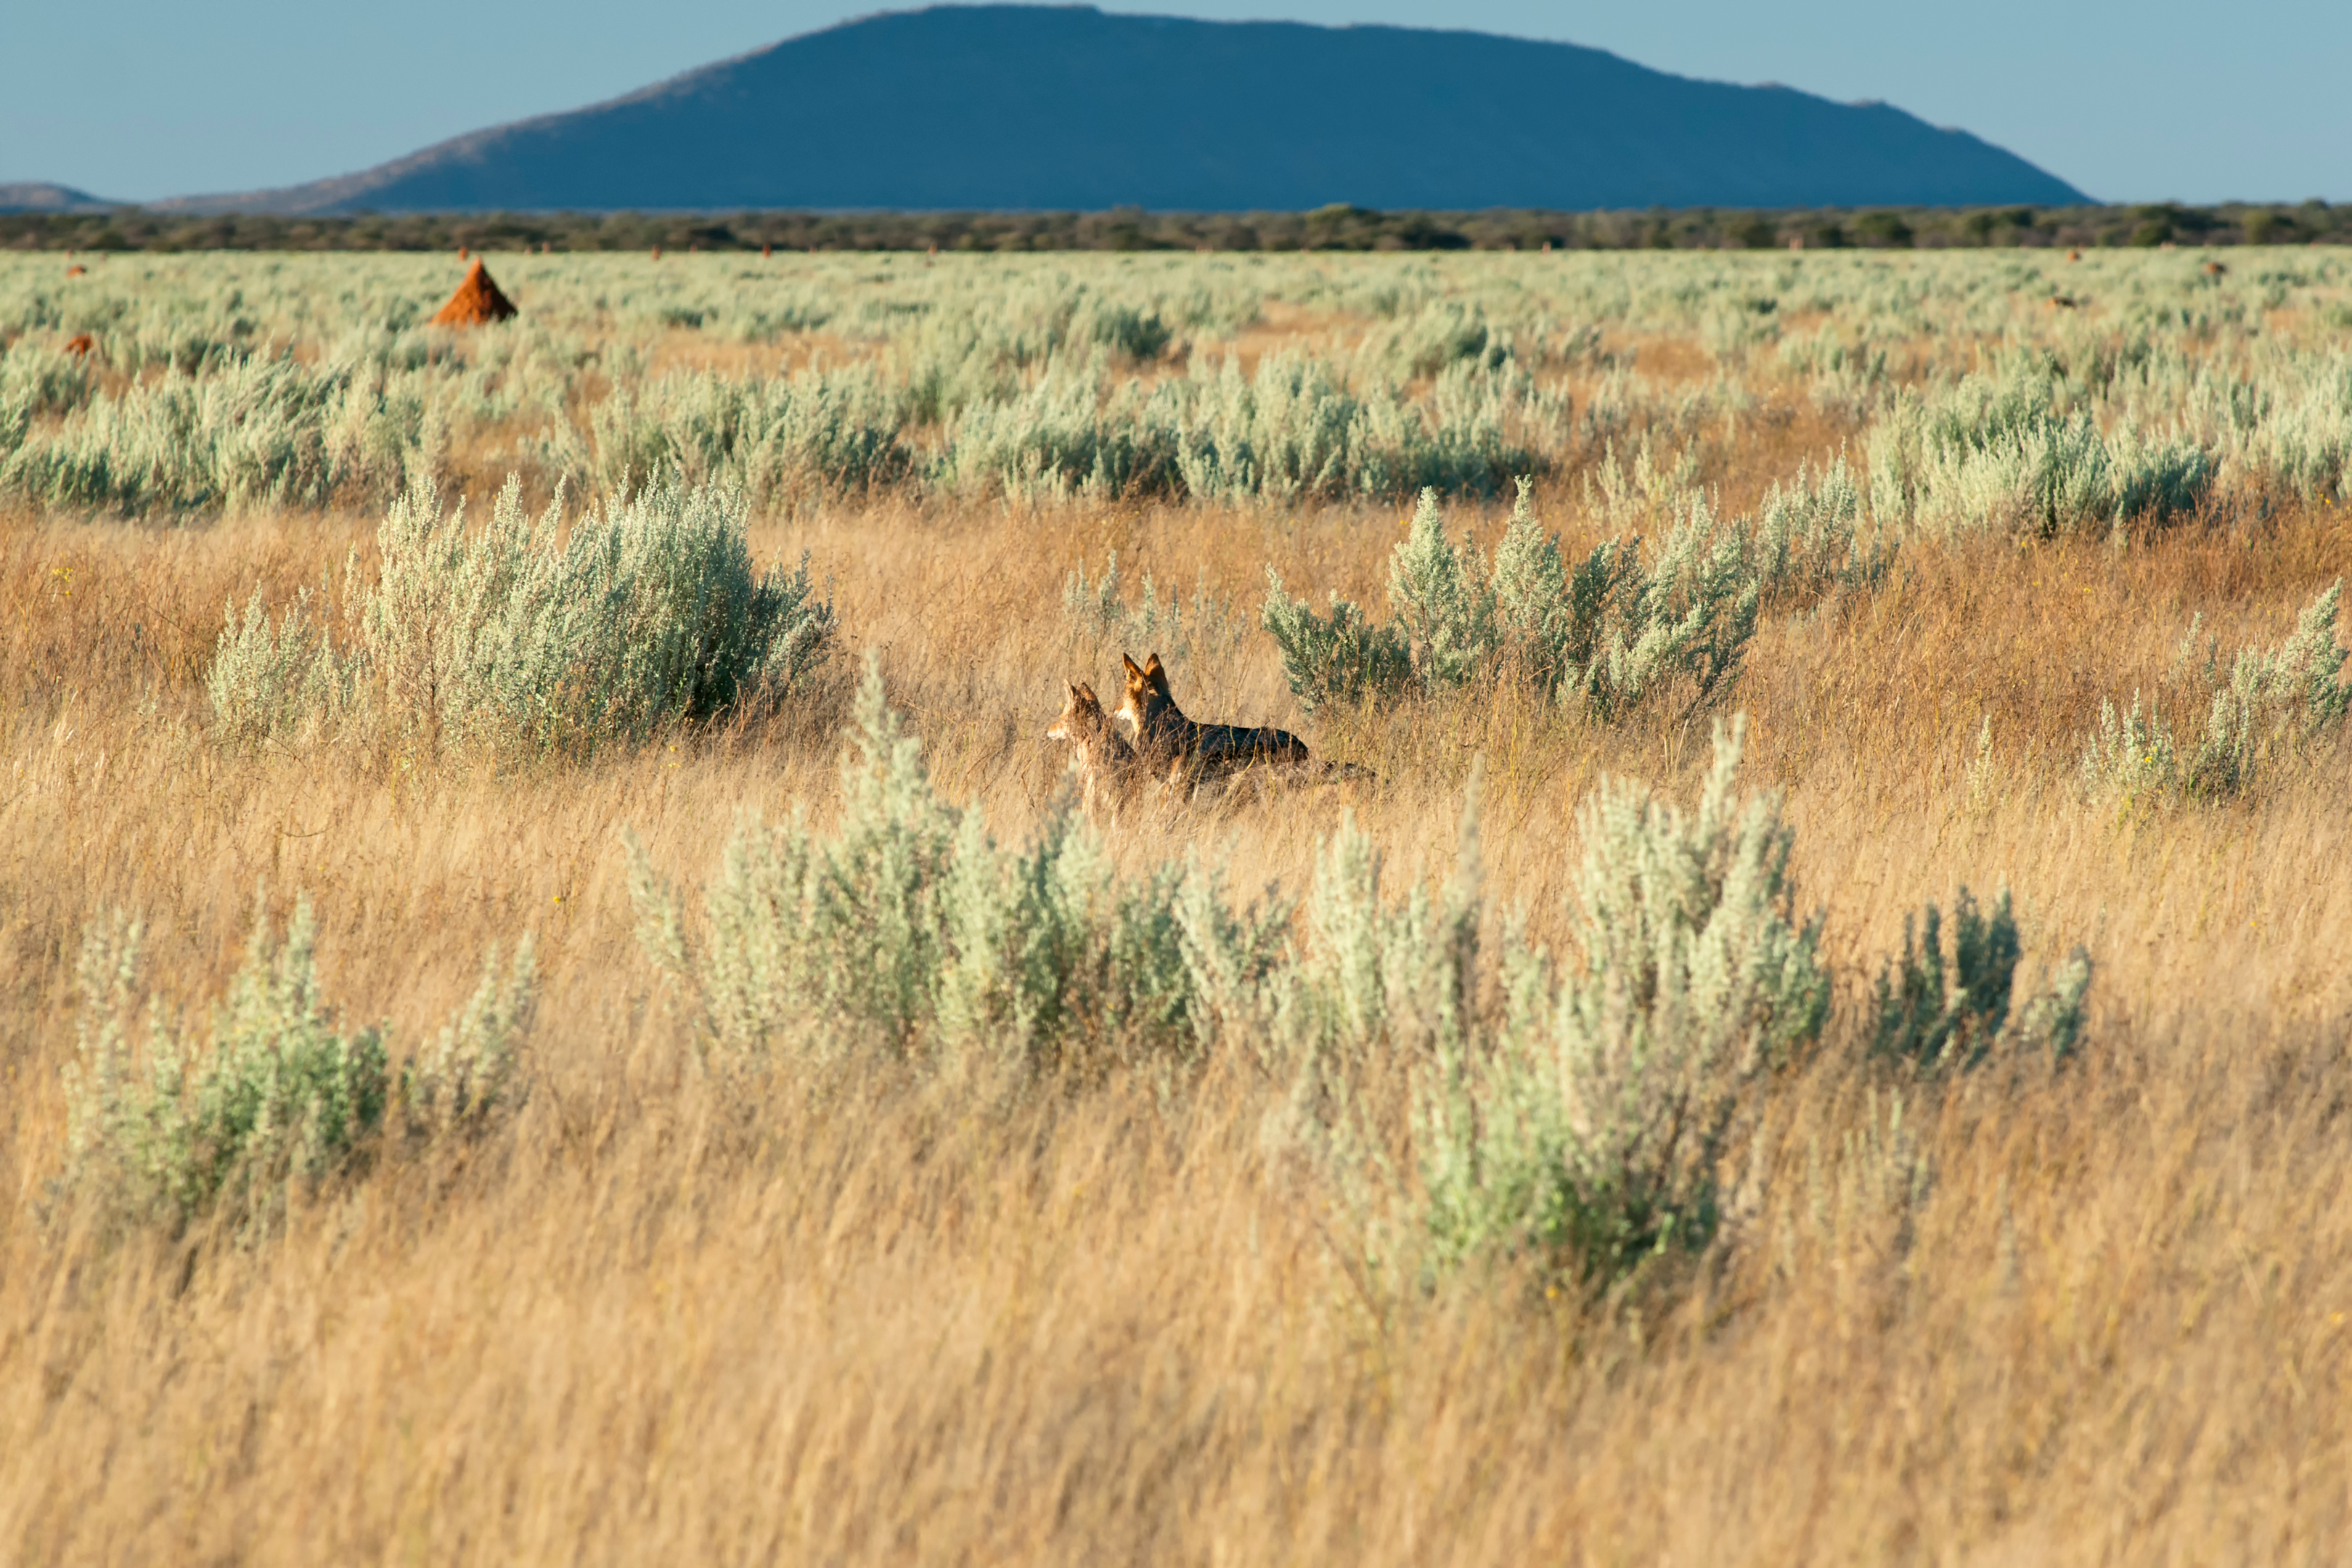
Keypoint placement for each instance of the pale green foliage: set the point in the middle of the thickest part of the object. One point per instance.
(251, 433)
(772, 440)
(275, 1094)
(1649, 495)
(1684, 617)
(1095, 610)
(908, 930)
(1609, 635)
(1936, 1011)
(1293, 430)
(1341, 657)
(2004, 454)
(521, 638)
(1574, 1111)
(1375, 976)
(1810, 540)
(1590, 1130)
(270, 680)
(468, 1072)
(2131, 760)
(1447, 615)
(314, 380)
(2274, 707)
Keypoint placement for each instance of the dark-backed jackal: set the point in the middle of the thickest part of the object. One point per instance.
(1181, 750)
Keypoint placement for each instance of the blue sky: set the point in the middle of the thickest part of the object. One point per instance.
(2199, 101)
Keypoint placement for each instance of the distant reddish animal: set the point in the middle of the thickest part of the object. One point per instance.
(2215, 269)
(2064, 301)
(76, 270)
(2073, 256)
(79, 344)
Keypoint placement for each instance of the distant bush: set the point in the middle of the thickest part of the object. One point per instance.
(1613, 631)
(771, 440)
(257, 432)
(1994, 454)
(1574, 1112)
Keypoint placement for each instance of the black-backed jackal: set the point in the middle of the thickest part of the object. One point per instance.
(1183, 751)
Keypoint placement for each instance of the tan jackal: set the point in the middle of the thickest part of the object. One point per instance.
(1109, 772)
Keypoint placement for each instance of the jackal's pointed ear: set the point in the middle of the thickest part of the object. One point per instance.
(1087, 693)
(1134, 671)
(1154, 675)
(1074, 685)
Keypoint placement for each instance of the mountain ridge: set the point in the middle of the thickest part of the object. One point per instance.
(48, 196)
(1062, 108)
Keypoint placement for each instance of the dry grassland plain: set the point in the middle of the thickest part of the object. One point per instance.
(841, 1301)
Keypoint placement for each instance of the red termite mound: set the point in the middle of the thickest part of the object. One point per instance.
(476, 300)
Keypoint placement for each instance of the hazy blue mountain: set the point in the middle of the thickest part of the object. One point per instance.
(1033, 106)
(41, 197)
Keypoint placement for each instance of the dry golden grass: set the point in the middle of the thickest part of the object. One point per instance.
(870, 1318)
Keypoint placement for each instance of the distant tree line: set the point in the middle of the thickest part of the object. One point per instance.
(1325, 228)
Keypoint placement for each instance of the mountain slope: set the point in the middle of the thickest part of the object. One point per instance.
(1027, 107)
(41, 197)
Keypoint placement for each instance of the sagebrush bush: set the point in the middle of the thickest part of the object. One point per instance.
(2273, 709)
(1095, 610)
(523, 638)
(1938, 1010)
(1587, 1132)
(771, 440)
(1574, 1111)
(908, 930)
(270, 383)
(274, 1094)
(1339, 657)
(252, 432)
(2003, 453)
(1608, 635)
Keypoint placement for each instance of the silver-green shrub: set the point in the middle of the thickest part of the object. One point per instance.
(1608, 635)
(257, 432)
(1589, 1130)
(522, 638)
(274, 1094)
(1373, 976)
(274, 681)
(2273, 707)
(2015, 452)
(1939, 1011)
(771, 439)
(1936, 1014)
(907, 928)
(1342, 656)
